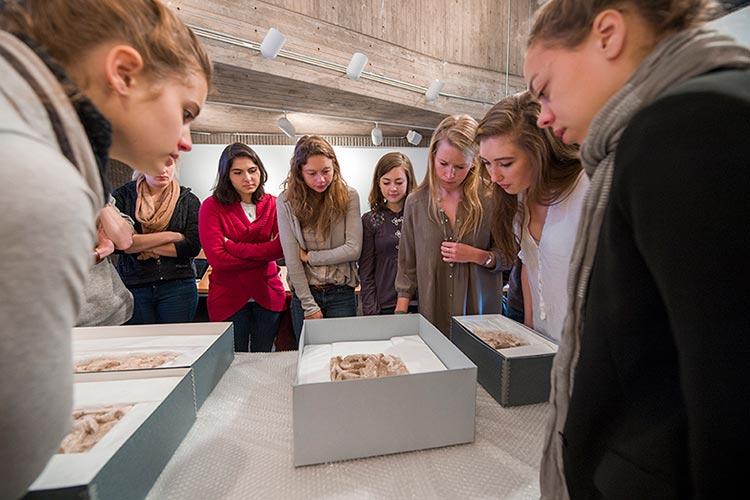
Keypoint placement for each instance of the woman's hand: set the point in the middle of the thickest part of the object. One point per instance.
(315, 315)
(303, 256)
(461, 252)
(104, 246)
(402, 305)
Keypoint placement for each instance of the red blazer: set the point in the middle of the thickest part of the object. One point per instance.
(242, 256)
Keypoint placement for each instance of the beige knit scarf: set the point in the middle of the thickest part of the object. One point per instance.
(674, 60)
(154, 210)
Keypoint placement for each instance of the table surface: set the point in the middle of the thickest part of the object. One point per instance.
(241, 447)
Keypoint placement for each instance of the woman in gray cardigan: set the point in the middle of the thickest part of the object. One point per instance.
(321, 234)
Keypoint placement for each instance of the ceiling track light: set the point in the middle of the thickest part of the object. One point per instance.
(376, 135)
(286, 126)
(413, 137)
(433, 92)
(356, 65)
(272, 43)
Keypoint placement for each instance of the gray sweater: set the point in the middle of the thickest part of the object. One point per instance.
(47, 228)
(332, 260)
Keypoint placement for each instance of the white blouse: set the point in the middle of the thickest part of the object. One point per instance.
(250, 210)
(547, 261)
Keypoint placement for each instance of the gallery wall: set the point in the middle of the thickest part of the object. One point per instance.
(197, 169)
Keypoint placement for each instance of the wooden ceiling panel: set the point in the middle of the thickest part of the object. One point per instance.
(331, 30)
(231, 119)
(253, 88)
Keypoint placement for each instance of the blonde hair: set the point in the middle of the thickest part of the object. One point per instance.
(459, 132)
(388, 162)
(567, 23)
(313, 209)
(66, 29)
(555, 165)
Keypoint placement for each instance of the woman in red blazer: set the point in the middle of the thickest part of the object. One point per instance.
(239, 234)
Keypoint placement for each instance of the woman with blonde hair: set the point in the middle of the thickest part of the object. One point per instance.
(158, 267)
(82, 80)
(447, 253)
(648, 387)
(539, 186)
(321, 234)
(392, 182)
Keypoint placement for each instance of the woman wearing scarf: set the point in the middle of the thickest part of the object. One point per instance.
(158, 267)
(648, 386)
(82, 80)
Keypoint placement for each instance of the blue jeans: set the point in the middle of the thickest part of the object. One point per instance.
(511, 313)
(335, 302)
(173, 301)
(255, 328)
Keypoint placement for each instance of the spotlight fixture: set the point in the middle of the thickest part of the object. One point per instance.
(272, 43)
(433, 92)
(286, 126)
(356, 65)
(376, 135)
(413, 137)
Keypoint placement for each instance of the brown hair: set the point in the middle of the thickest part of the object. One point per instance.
(66, 29)
(388, 162)
(458, 131)
(313, 209)
(555, 165)
(568, 22)
(224, 191)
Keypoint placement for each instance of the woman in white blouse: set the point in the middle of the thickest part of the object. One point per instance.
(540, 187)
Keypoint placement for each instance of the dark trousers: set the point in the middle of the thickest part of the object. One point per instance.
(335, 302)
(413, 308)
(512, 313)
(173, 301)
(255, 328)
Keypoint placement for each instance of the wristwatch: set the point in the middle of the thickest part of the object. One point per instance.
(489, 260)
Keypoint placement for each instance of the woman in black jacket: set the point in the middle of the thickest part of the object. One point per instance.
(649, 383)
(158, 268)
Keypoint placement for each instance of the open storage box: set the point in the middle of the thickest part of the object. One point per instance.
(127, 460)
(207, 348)
(367, 417)
(513, 376)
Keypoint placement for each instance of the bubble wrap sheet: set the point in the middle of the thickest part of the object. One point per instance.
(241, 447)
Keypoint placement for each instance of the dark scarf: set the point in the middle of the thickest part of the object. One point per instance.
(97, 127)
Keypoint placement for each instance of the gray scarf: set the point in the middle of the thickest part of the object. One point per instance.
(674, 60)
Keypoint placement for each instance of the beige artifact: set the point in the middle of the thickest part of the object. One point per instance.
(357, 366)
(133, 361)
(89, 426)
(499, 339)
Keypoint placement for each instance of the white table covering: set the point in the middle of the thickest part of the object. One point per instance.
(241, 447)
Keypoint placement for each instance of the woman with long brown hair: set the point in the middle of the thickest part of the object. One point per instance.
(321, 234)
(649, 384)
(82, 80)
(447, 253)
(392, 182)
(539, 186)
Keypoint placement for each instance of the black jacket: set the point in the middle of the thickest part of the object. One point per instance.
(660, 405)
(184, 220)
